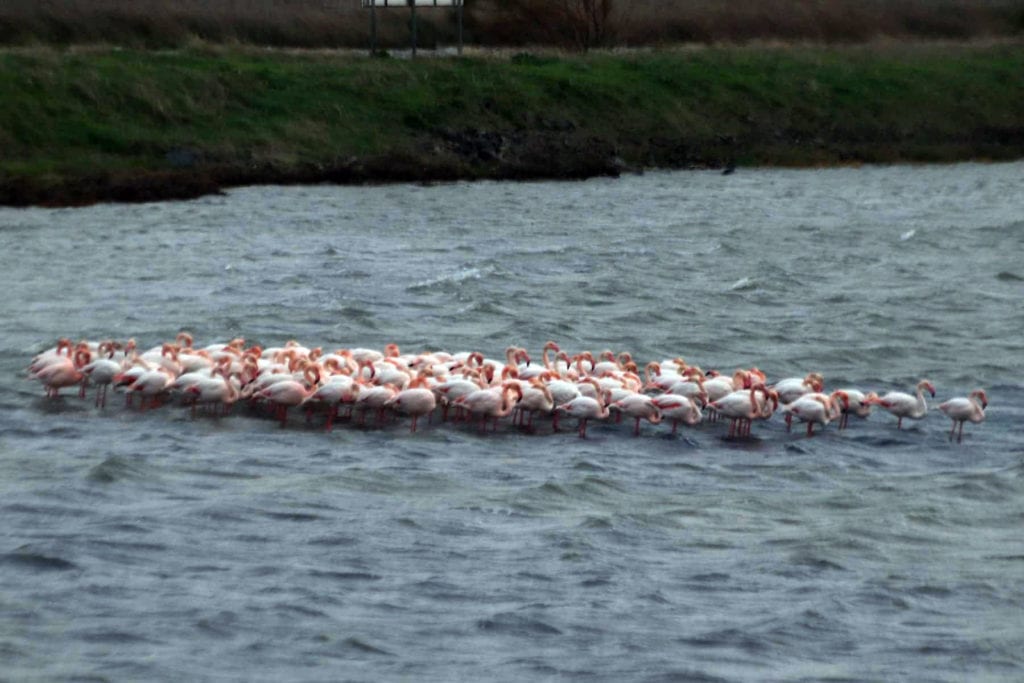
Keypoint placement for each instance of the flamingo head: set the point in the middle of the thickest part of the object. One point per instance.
(981, 396)
(842, 396)
(925, 384)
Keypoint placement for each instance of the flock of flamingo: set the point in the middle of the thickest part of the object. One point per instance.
(465, 386)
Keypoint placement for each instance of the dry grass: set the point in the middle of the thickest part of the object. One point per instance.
(342, 23)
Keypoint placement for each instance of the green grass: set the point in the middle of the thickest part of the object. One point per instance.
(67, 114)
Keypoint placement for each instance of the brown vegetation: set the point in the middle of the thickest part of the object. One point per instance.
(577, 24)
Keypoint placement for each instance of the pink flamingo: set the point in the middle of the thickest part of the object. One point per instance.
(213, 391)
(961, 409)
(742, 407)
(904, 405)
(678, 408)
(537, 398)
(290, 393)
(817, 408)
(492, 403)
(639, 407)
(584, 408)
(63, 372)
(417, 400)
(792, 388)
(858, 404)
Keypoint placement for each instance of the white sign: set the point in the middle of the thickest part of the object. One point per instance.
(408, 3)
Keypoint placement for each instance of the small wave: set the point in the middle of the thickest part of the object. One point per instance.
(744, 284)
(1007, 276)
(116, 468)
(293, 516)
(732, 638)
(30, 560)
(907, 235)
(344, 576)
(221, 624)
(360, 645)
(515, 624)
(335, 540)
(454, 278)
(300, 609)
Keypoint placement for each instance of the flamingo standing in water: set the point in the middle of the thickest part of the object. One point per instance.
(417, 400)
(792, 388)
(639, 407)
(289, 393)
(585, 408)
(63, 371)
(962, 409)
(537, 398)
(817, 408)
(904, 405)
(494, 402)
(213, 391)
(857, 404)
(102, 372)
(743, 406)
(678, 408)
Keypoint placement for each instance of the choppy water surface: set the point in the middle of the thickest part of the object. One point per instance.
(156, 547)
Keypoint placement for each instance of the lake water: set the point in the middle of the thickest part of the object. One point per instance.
(151, 546)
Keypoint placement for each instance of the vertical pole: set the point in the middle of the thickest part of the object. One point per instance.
(460, 26)
(412, 3)
(373, 27)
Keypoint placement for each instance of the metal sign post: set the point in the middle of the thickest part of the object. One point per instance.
(412, 5)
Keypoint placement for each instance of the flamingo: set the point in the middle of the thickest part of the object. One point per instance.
(59, 353)
(63, 372)
(585, 408)
(537, 398)
(678, 408)
(491, 403)
(417, 400)
(336, 390)
(962, 409)
(151, 384)
(374, 396)
(102, 372)
(816, 408)
(792, 388)
(858, 403)
(639, 407)
(211, 391)
(743, 406)
(290, 393)
(904, 405)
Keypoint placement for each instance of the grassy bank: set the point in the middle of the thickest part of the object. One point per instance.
(77, 126)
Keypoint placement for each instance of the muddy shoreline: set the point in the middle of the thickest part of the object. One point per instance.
(468, 155)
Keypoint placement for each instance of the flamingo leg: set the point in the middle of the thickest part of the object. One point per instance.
(899, 423)
(960, 438)
(636, 428)
(414, 423)
(810, 429)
